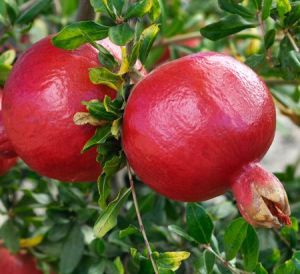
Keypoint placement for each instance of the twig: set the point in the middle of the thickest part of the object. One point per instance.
(57, 7)
(26, 5)
(227, 264)
(177, 39)
(138, 214)
(293, 42)
(286, 243)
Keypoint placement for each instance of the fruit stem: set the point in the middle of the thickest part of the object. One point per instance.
(140, 221)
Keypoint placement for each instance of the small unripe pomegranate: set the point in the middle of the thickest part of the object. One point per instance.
(43, 92)
(17, 264)
(197, 127)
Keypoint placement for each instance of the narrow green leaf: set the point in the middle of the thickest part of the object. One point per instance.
(106, 59)
(130, 230)
(148, 37)
(200, 225)
(97, 110)
(98, 5)
(155, 10)
(255, 60)
(234, 237)
(121, 34)
(225, 27)
(108, 217)
(104, 189)
(4, 73)
(234, 8)
(179, 231)
(119, 265)
(105, 77)
(116, 128)
(171, 260)
(250, 249)
(28, 15)
(294, 15)
(209, 261)
(260, 269)
(266, 10)
(287, 268)
(139, 9)
(283, 7)
(101, 135)
(8, 57)
(79, 33)
(9, 235)
(270, 38)
(113, 165)
(72, 250)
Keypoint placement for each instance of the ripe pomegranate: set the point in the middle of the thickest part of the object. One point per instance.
(43, 92)
(17, 264)
(197, 127)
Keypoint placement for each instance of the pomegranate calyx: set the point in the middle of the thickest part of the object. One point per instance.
(261, 198)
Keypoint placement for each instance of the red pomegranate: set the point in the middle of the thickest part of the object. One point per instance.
(43, 92)
(17, 264)
(197, 127)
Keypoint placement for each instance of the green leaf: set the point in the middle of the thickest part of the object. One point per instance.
(266, 10)
(8, 57)
(286, 268)
(4, 73)
(232, 7)
(131, 229)
(10, 236)
(293, 16)
(200, 225)
(105, 77)
(179, 231)
(296, 260)
(258, 4)
(170, 260)
(97, 110)
(255, 60)
(225, 27)
(106, 59)
(234, 237)
(72, 250)
(98, 6)
(79, 33)
(270, 38)
(119, 265)
(209, 261)
(250, 249)
(113, 106)
(260, 269)
(113, 165)
(155, 10)
(139, 9)
(116, 128)
(103, 183)
(101, 135)
(121, 34)
(36, 9)
(148, 37)
(134, 54)
(108, 218)
(283, 7)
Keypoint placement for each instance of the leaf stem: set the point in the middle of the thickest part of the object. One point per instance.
(283, 240)
(177, 39)
(140, 221)
(293, 42)
(227, 264)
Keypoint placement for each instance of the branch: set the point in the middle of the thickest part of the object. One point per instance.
(227, 264)
(140, 221)
(293, 42)
(85, 11)
(178, 38)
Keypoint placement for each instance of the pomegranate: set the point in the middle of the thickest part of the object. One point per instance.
(197, 127)
(43, 92)
(17, 264)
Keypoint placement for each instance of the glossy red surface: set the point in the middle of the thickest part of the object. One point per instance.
(17, 264)
(44, 91)
(194, 122)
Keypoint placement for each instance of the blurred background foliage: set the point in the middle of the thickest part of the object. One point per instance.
(54, 221)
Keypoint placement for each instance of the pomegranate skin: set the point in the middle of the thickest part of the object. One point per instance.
(17, 264)
(194, 122)
(44, 91)
(6, 164)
